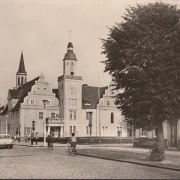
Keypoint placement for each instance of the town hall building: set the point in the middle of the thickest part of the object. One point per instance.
(72, 107)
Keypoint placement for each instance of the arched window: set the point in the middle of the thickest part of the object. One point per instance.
(21, 80)
(25, 79)
(18, 81)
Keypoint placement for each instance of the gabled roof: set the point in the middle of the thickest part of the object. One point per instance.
(1, 108)
(56, 93)
(91, 97)
(24, 92)
(21, 65)
(4, 110)
(14, 94)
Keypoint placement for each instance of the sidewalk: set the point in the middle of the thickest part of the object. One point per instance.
(39, 144)
(126, 153)
(122, 153)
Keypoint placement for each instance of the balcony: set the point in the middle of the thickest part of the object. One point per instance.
(54, 121)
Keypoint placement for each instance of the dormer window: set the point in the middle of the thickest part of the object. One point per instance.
(32, 102)
(87, 103)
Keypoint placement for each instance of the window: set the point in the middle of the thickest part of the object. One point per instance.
(18, 81)
(72, 73)
(48, 103)
(62, 86)
(73, 91)
(88, 115)
(27, 130)
(21, 80)
(87, 129)
(61, 101)
(70, 129)
(72, 115)
(72, 102)
(143, 132)
(74, 128)
(119, 131)
(40, 115)
(108, 103)
(53, 115)
(25, 80)
(75, 102)
(112, 117)
(32, 102)
(87, 103)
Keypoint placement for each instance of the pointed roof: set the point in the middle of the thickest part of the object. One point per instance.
(21, 65)
(70, 54)
(90, 94)
(24, 92)
(13, 94)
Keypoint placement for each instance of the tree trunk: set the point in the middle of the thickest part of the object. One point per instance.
(160, 139)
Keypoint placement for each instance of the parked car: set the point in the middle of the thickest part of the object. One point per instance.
(6, 141)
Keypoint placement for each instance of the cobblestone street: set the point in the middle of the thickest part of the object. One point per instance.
(39, 162)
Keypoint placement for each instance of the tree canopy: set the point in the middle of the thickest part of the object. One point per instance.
(143, 57)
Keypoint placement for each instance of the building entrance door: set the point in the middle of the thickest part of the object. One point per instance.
(55, 131)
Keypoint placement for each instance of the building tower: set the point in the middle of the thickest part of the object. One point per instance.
(70, 61)
(70, 93)
(21, 75)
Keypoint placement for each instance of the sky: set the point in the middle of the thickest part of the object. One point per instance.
(40, 28)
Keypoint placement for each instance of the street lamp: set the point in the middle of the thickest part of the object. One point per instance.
(6, 122)
(44, 120)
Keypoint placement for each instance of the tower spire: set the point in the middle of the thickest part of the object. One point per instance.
(21, 64)
(21, 75)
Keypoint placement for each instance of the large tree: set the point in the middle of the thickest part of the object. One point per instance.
(143, 57)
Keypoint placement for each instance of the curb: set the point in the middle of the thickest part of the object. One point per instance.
(26, 145)
(131, 162)
(34, 145)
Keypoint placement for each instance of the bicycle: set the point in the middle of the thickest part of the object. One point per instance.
(50, 146)
(71, 150)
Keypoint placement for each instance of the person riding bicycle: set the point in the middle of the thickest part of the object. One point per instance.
(50, 139)
(73, 142)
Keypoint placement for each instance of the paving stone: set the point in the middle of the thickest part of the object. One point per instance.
(57, 163)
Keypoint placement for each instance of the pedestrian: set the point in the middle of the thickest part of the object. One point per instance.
(36, 138)
(49, 138)
(15, 138)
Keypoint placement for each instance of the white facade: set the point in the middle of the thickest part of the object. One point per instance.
(106, 121)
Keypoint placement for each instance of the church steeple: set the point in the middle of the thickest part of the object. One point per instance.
(21, 75)
(21, 65)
